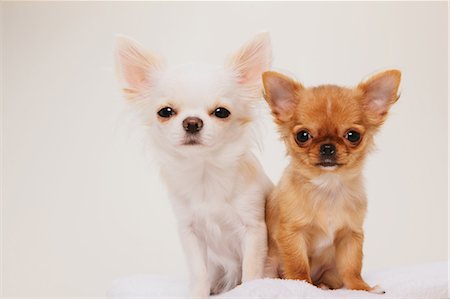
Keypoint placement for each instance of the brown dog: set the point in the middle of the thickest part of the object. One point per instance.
(315, 215)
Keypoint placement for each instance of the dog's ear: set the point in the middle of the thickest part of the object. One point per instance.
(252, 59)
(379, 93)
(135, 65)
(280, 93)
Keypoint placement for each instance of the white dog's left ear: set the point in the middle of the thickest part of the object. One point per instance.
(252, 59)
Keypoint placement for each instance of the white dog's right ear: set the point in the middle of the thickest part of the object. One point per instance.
(252, 59)
(135, 65)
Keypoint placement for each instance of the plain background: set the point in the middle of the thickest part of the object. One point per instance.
(82, 201)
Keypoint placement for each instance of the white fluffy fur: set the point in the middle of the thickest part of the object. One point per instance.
(218, 188)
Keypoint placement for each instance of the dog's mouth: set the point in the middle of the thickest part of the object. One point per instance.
(191, 141)
(328, 163)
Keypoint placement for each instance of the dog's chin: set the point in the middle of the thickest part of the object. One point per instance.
(191, 148)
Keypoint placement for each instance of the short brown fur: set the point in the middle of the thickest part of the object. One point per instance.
(315, 215)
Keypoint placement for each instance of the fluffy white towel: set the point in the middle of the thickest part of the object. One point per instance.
(421, 281)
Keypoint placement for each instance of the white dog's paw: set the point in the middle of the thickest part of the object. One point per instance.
(377, 290)
(200, 290)
(251, 274)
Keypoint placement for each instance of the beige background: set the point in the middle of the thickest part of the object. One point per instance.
(82, 200)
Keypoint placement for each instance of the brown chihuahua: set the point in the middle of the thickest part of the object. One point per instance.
(315, 215)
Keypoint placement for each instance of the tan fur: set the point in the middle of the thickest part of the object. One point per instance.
(245, 120)
(249, 168)
(315, 215)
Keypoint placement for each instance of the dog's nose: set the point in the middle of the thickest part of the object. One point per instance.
(192, 125)
(328, 150)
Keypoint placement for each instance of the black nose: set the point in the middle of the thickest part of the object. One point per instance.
(192, 124)
(328, 150)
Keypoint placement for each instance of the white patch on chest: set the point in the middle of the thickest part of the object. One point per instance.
(326, 239)
(322, 243)
(329, 185)
(329, 192)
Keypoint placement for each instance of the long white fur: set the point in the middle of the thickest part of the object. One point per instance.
(217, 189)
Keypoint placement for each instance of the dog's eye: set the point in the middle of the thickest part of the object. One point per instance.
(353, 136)
(221, 112)
(166, 112)
(303, 136)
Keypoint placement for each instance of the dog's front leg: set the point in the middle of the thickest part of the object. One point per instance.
(292, 246)
(349, 257)
(195, 251)
(254, 252)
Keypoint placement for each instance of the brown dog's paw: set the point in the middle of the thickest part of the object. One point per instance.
(323, 286)
(305, 279)
(298, 275)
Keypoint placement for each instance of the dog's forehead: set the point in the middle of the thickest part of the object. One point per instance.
(330, 105)
(194, 83)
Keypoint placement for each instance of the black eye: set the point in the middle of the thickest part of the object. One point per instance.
(303, 136)
(221, 112)
(166, 112)
(353, 136)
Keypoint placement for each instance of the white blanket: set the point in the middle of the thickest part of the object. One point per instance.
(422, 281)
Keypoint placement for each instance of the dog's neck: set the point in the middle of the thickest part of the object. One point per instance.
(331, 184)
(204, 177)
(312, 175)
(223, 160)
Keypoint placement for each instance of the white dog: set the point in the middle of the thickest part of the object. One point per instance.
(200, 117)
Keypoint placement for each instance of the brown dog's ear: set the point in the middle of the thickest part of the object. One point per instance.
(134, 65)
(280, 92)
(379, 93)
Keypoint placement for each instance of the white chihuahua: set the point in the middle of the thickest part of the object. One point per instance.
(199, 117)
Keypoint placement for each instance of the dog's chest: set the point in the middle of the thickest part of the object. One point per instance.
(205, 200)
(201, 185)
(323, 237)
(331, 197)
(219, 224)
(329, 187)
(216, 219)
